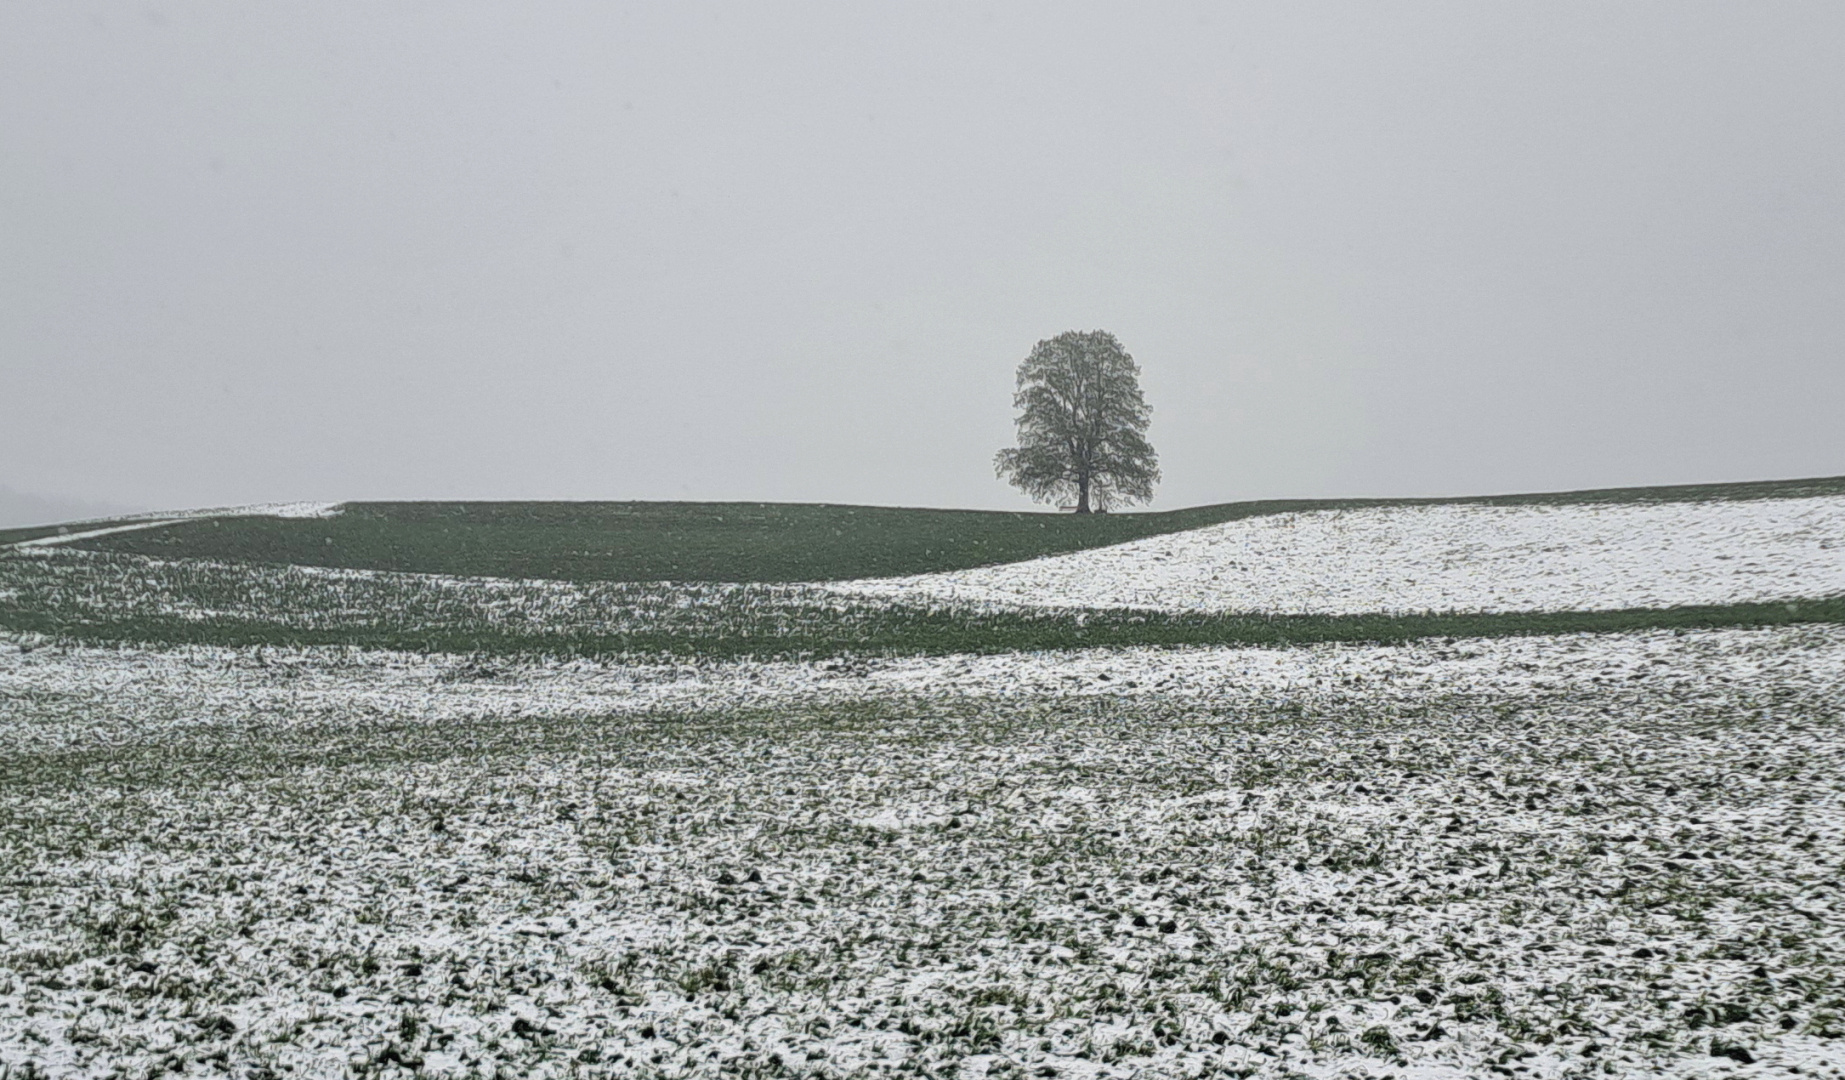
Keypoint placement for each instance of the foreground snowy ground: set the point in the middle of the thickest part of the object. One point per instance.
(1583, 557)
(1613, 855)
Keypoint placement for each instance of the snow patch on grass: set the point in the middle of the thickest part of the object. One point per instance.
(1545, 857)
(102, 695)
(1452, 558)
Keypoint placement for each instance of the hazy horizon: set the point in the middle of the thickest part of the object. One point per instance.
(795, 254)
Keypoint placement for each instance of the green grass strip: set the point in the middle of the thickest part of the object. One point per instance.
(918, 632)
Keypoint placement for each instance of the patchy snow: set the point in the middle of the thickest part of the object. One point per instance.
(289, 510)
(1460, 557)
(1542, 857)
(105, 693)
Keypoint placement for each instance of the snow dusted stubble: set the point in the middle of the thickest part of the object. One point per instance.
(1448, 558)
(102, 696)
(1552, 857)
(86, 587)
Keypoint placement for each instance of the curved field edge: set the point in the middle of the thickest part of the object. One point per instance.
(11, 536)
(39, 532)
(748, 542)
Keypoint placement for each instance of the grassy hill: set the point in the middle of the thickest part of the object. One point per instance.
(741, 542)
(702, 580)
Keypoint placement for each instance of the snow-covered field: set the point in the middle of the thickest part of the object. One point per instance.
(102, 696)
(1405, 559)
(1568, 856)
(1546, 856)
(1583, 557)
(1453, 559)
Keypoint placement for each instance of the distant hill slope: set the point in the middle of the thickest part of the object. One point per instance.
(743, 542)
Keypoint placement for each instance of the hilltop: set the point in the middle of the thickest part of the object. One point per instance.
(737, 541)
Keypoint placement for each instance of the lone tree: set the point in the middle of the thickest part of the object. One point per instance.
(1082, 425)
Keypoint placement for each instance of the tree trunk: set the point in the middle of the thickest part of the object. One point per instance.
(1082, 495)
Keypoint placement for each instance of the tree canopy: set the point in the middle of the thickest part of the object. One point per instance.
(1082, 425)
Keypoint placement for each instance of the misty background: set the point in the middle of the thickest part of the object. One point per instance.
(796, 251)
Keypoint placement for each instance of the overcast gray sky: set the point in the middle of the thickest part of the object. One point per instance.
(796, 252)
